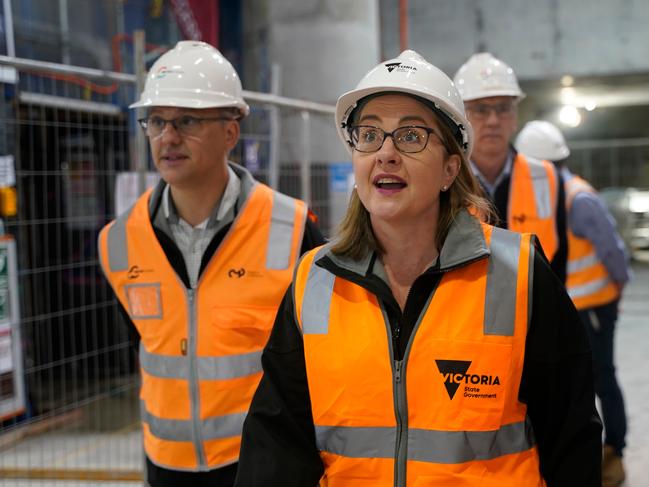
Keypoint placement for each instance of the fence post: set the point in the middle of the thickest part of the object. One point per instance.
(589, 164)
(9, 28)
(140, 140)
(306, 157)
(614, 163)
(275, 130)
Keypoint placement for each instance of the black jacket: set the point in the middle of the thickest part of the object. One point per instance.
(279, 439)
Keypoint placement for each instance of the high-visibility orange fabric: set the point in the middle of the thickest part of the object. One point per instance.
(523, 216)
(351, 381)
(234, 313)
(594, 276)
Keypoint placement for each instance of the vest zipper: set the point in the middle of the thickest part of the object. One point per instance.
(395, 336)
(402, 425)
(401, 398)
(193, 382)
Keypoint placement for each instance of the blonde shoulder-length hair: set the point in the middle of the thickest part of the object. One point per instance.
(354, 237)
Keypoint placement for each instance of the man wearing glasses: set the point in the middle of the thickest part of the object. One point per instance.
(528, 193)
(199, 265)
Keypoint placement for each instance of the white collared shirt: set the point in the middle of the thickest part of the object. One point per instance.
(193, 241)
(489, 187)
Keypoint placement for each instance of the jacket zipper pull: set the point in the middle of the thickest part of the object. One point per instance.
(397, 370)
(183, 346)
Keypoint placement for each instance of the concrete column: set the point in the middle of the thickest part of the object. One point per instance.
(322, 48)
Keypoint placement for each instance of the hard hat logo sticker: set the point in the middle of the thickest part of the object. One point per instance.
(399, 67)
(164, 71)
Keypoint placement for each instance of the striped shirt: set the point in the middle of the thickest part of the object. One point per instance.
(193, 241)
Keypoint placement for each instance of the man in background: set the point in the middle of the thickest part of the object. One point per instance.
(528, 194)
(597, 273)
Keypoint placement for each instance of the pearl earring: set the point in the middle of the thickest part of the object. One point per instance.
(444, 188)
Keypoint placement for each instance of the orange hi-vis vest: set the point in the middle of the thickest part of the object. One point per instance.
(588, 282)
(533, 200)
(448, 414)
(200, 349)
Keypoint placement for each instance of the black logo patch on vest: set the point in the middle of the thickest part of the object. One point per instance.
(519, 218)
(236, 272)
(134, 272)
(453, 371)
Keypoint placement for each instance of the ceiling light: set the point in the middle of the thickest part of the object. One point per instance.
(568, 95)
(567, 80)
(570, 116)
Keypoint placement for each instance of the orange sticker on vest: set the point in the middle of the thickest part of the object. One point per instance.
(144, 301)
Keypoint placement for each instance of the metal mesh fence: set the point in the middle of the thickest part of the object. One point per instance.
(303, 164)
(614, 163)
(79, 372)
(70, 145)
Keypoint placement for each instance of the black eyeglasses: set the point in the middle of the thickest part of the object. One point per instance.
(481, 111)
(409, 139)
(185, 124)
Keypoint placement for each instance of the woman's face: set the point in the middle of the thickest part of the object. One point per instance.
(400, 187)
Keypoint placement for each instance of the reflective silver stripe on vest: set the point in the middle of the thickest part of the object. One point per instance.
(356, 442)
(117, 244)
(209, 368)
(502, 277)
(530, 281)
(281, 232)
(317, 299)
(588, 289)
(447, 447)
(541, 183)
(465, 446)
(180, 430)
(583, 263)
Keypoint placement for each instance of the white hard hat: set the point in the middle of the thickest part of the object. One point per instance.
(484, 75)
(410, 74)
(193, 75)
(542, 140)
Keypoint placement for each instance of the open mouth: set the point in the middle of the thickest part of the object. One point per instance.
(390, 183)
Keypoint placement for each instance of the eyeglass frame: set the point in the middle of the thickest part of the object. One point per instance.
(501, 110)
(428, 131)
(144, 122)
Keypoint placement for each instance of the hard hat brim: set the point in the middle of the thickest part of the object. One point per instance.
(519, 95)
(188, 103)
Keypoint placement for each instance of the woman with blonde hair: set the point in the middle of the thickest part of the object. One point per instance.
(422, 346)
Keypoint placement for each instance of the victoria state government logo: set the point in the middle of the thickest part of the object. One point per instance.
(399, 67)
(455, 374)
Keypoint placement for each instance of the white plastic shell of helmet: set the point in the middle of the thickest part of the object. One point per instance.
(193, 75)
(542, 140)
(411, 74)
(484, 75)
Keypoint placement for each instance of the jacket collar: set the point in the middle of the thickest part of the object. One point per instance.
(464, 244)
(247, 183)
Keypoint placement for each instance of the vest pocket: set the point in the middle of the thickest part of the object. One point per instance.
(242, 329)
